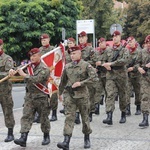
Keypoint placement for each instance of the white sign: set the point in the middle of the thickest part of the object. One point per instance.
(85, 25)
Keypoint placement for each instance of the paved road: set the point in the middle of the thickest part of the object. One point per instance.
(116, 137)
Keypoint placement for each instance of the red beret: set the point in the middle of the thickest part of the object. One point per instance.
(71, 39)
(83, 33)
(74, 48)
(116, 33)
(147, 39)
(101, 40)
(44, 36)
(130, 38)
(1, 41)
(33, 51)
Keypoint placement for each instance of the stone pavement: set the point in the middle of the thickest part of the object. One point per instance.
(126, 136)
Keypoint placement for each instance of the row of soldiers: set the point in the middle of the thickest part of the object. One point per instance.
(88, 74)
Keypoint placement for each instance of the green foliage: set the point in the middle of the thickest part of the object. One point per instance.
(23, 21)
(138, 20)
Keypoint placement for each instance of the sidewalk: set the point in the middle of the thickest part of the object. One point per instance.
(126, 136)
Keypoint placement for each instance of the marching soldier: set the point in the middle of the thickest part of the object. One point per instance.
(36, 97)
(116, 78)
(87, 54)
(6, 63)
(76, 76)
(144, 69)
(133, 75)
(46, 47)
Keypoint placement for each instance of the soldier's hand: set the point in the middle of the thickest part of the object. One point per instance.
(107, 66)
(98, 63)
(148, 65)
(76, 84)
(60, 98)
(12, 72)
(21, 72)
(141, 70)
(130, 69)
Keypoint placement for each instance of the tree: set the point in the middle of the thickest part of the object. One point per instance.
(23, 21)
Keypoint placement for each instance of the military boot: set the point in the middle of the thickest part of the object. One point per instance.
(10, 136)
(102, 100)
(22, 140)
(87, 143)
(54, 115)
(123, 117)
(77, 118)
(62, 111)
(138, 110)
(108, 120)
(65, 144)
(36, 118)
(46, 139)
(116, 98)
(97, 108)
(90, 117)
(144, 123)
(128, 111)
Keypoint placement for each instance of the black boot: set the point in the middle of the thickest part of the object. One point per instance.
(138, 110)
(54, 115)
(22, 140)
(90, 117)
(116, 98)
(77, 119)
(123, 117)
(65, 144)
(87, 143)
(102, 100)
(132, 94)
(10, 136)
(108, 120)
(46, 139)
(128, 111)
(97, 108)
(62, 111)
(144, 123)
(36, 118)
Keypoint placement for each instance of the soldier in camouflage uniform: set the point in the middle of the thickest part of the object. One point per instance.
(116, 78)
(6, 63)
(133, 75)
(46, 47)
(87, 54)
(144, 69)
(76, 76)
(35, 98)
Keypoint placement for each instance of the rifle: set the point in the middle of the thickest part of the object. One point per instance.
(7, 77)
(132, 63)
(70, 90)
(101, 69)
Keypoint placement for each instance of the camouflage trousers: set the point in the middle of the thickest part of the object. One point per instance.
(31, 106)
(70, 109)
(135, 84)
(54, 101)
(145, 95)
(7, 107)
(113, 86)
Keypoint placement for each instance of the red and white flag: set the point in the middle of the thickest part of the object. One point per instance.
(55, 61)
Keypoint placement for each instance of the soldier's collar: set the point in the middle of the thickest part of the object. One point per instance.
(1, 52)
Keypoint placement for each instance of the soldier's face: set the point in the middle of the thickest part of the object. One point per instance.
(132, 43)
(71, 44)
(83, 39)
(1, 47)
(102, 44)
(116, 39)
(148, 44)
(75, 55)
(45, 42)
(35, 58)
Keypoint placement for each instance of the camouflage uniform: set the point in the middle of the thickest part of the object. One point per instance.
(116, 79)
(36, 100)
(84, 73)
(134, 76)
(6, 63)
(54, 97)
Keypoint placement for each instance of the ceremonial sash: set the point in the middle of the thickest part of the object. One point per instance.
(40, 86)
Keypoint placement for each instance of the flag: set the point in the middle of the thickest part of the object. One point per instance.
(55, 61)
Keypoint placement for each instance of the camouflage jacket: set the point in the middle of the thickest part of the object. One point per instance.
(41, 75)
(82, 72)
(6, 63)
(67, 57)
(45, 50)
